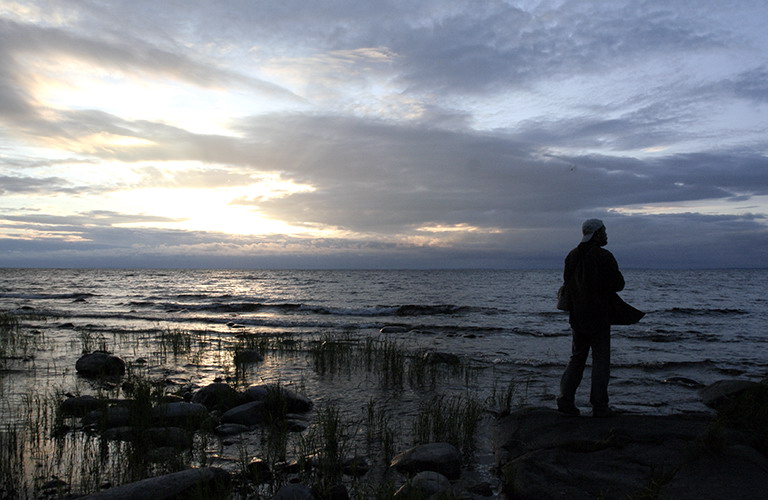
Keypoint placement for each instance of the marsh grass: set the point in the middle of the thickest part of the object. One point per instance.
(324, 448)
(451, 419)
(380, 430)
(15, 343)
(503, 399)
(175, 341)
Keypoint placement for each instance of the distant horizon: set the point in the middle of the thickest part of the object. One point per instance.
(118, 268)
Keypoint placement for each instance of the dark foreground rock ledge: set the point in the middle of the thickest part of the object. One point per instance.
(543, 454)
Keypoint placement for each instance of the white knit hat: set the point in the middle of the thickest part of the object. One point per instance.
(589, 228)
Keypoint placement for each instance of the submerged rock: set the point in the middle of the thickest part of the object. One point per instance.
(424, 485)
(447, 358)
(716, 394)
(248, 356)
(100, 364)
(79, 406)
(210, 483)
(436, 457)
(115, 416)
(273, 394)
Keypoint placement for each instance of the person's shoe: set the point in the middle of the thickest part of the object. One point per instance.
(603, 412)
(571, 411)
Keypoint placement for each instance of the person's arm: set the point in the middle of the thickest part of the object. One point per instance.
(613, 280)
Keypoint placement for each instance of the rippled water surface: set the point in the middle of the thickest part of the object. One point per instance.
(701, 326)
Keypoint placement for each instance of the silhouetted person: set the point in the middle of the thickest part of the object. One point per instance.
(591, 277)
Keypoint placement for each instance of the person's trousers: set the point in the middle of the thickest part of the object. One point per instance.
(598, 340)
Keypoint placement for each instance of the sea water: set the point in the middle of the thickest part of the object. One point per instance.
(700, 327)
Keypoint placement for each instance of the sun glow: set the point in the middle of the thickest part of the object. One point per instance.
(206, 209)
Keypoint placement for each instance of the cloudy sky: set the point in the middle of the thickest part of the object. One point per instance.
(386, 133)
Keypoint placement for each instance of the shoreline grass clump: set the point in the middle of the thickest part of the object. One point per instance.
(175, 341)
(15, 344)
(447, 419)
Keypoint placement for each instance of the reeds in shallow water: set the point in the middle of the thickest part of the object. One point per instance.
(449, 419)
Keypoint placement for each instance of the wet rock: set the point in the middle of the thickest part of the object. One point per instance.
(231, 429)
(735, 472)
(217, 396)
(436, 457)
(182, 414)
(100, 364)
(543, 454)
(258, 471)
(716, 394)
(441, 357)
(248, 356)
(273, 394)
(296, 423)
(294, 492)
(208, 482)
(683, 381)
(248, 414)
(79, 406)
(423, 485)
(115, 416)
(54, 484)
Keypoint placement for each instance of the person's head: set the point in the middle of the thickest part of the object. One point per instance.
(594, 230)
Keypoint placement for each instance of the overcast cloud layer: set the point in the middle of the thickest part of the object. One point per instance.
(382, 134)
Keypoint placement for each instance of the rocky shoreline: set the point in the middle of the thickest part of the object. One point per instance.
(540, 453)
(543, 454)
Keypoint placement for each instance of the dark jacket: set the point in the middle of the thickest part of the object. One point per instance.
(592, 276)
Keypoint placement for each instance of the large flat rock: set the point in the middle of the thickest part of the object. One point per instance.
(542, 454)
(209, 483)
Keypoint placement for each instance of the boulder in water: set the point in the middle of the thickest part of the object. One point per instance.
(716, 394)
(247, 414)
(100, 363)
(274, 394)
(183, 414)
(208, 482)
(216, 396)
